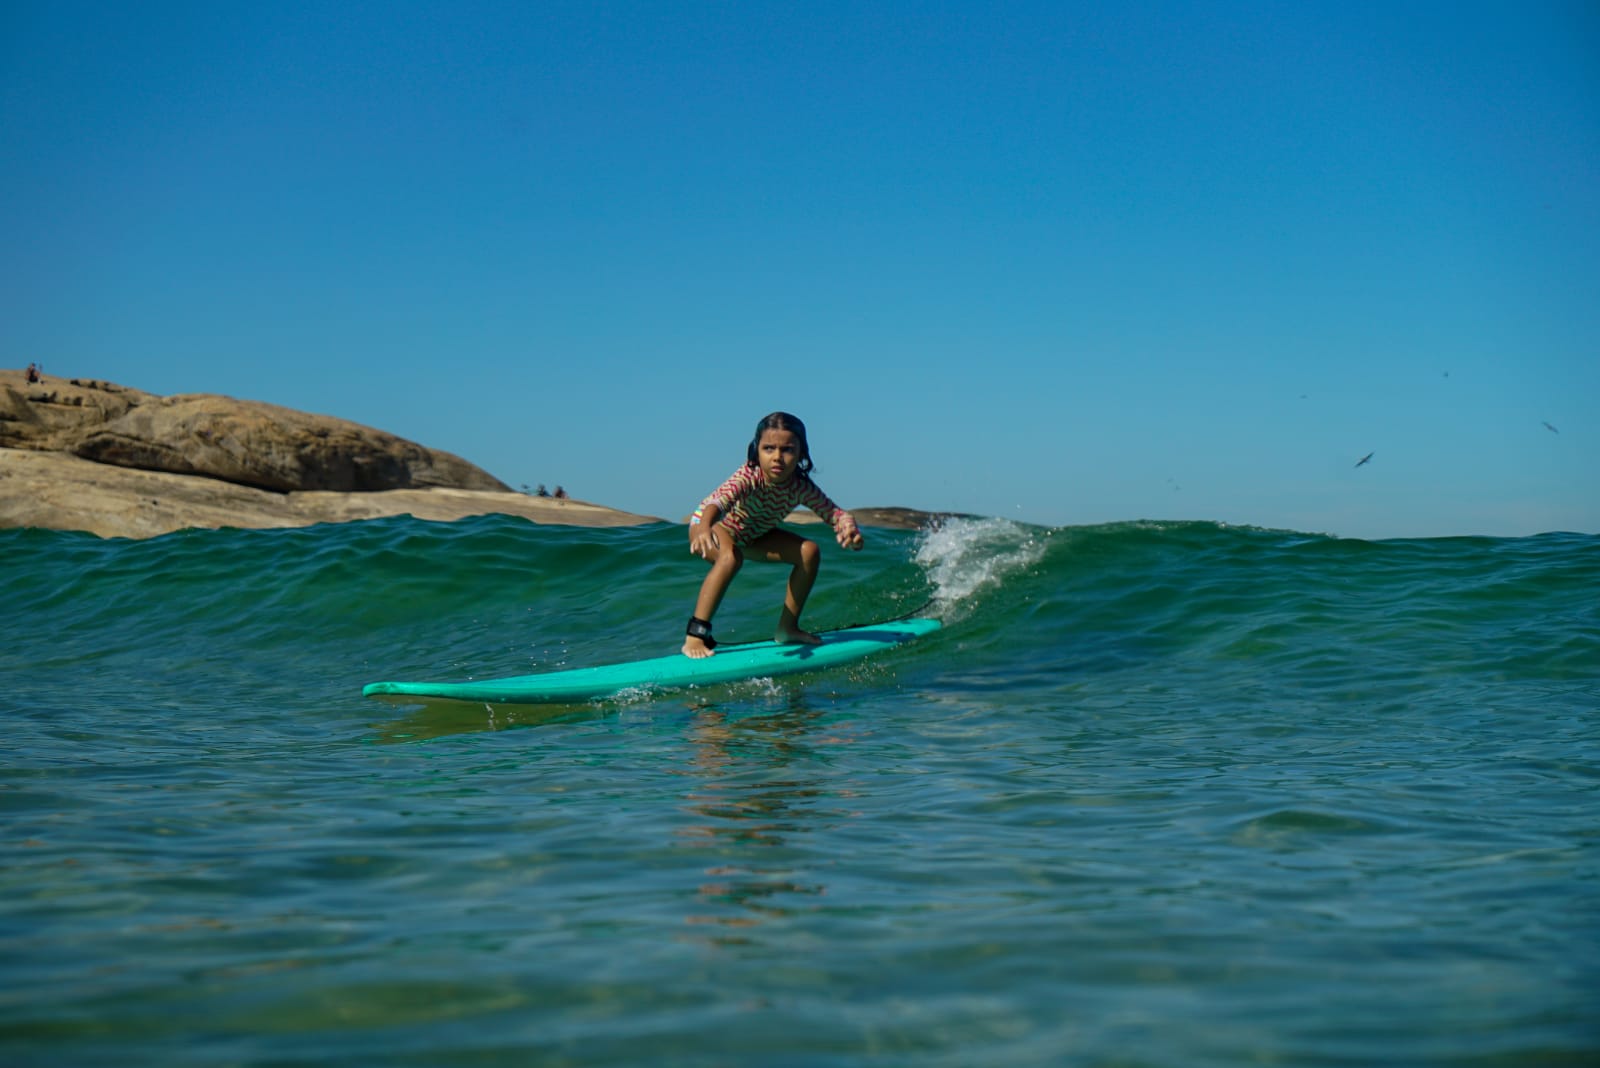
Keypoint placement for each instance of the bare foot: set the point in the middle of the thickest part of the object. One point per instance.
(695, 648)
(795, 636)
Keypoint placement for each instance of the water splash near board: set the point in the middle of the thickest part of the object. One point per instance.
(963, 556)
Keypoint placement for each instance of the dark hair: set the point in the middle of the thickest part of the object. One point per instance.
(782, 421)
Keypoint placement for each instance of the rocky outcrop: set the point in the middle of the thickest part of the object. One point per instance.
(885, 518)
(82, 454)
(59, 491)
(246, 443)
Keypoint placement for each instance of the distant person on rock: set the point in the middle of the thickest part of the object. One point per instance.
(35, 373)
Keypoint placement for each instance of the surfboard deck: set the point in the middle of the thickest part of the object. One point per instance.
(731, 664)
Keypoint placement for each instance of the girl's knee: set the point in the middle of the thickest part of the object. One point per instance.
(810, 554)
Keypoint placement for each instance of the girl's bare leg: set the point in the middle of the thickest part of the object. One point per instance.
(724, 566)
(805, 560)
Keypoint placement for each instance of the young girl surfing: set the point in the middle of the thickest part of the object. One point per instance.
(740, 520)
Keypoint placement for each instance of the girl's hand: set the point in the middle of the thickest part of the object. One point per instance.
(849, 538)
(703, 541)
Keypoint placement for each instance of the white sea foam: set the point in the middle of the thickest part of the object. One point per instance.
(963, 556)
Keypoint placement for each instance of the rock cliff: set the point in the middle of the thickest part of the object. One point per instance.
(83, 454)
(247, 443)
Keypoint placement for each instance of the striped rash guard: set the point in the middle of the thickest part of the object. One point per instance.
(751, 506)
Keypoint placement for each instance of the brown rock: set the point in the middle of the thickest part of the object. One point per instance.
(59, 491)
(892, 518)
(244, 442)
(896, 518)
(273, 448)
(94, 456)
(56, 413)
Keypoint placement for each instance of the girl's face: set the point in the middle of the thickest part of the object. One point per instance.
(778, 454)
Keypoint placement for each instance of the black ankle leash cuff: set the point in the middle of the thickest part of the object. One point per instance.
(700, 628)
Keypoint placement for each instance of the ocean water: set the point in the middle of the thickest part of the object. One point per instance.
(1158, 794)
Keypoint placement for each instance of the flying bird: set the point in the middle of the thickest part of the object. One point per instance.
(1364, 459)
(1552, 429)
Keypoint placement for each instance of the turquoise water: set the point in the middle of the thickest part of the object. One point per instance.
(1158, 794)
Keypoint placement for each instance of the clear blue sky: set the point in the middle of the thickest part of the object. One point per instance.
(1066, 263)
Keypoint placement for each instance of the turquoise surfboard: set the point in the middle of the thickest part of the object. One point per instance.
(732, 663)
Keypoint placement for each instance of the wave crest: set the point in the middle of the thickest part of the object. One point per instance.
(963, 556)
